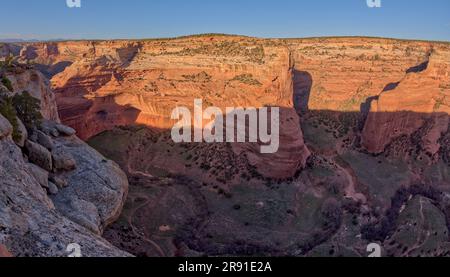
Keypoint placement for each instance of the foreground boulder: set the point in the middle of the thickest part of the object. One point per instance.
(23, 133)
(5, 127)
(44, 140)
(65, 130)
(96, 189)
(39, 174)
(33, 226)
(39, 155)
(63, 161)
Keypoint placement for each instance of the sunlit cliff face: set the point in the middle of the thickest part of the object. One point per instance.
(100, 85)
(364, 132)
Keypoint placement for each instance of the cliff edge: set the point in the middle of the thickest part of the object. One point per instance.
(54, 189)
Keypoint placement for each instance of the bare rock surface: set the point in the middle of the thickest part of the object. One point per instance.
(31, 225)
(39, 155)
(96, 189)
(85, 193)
(5, 127)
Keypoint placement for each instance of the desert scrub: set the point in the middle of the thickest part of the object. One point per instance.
(201, 77)
(8, 111)
(377, 57)
(439, 102)
(224, 49)
(7, 83)
(28, 109)
(247, 79)
(361, 57)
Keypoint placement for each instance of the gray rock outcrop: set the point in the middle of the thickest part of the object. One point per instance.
(55, 190)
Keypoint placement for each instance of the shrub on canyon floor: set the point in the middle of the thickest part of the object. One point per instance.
(28, 109)
(332, 214)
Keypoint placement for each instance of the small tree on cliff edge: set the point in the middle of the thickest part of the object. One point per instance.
(28, 109)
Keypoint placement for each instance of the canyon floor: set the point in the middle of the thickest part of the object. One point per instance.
(365, 142)
(322, 211)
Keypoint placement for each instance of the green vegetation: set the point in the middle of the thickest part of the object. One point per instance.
(201, 77)
(422, 230)
(28, 109)
(377, 57)
(9, 61)
(21, 106)
(8, 111)
(224, 49)
(316, 136)
(438, 173)
(361, 57)
(112, 144)
(247, 79)
(439, 103)
(381, 176)
(7, 83)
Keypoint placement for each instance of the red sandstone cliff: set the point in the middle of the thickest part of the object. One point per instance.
(104, 84)
(101, 85)
(421, 97)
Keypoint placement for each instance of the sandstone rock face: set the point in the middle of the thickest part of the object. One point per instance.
(101, 85)
(38, 86)
(23, 133)
(30, 223)
(65, 130)
(362, 102)
(407, 109)
(96, 189)
(63, 161)
(39, 155)
(290, 157)
(105, 84)
(5, 128)
(39, 174)
(91, 189)
(44, 140)
(400, 87)
(341, 74)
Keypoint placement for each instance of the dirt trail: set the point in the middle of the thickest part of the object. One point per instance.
(423, 237)
(142, 236)
(350, 190)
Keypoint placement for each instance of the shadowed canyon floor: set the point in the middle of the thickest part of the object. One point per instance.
(365, 142)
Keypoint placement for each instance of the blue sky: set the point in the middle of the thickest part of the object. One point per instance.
(105, 19)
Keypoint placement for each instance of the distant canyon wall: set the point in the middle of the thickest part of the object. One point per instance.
(103, 84)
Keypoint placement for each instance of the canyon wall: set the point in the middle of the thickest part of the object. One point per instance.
(421, 100)
(399, 87)
(344, 73)
(373, 113)
(103, 84)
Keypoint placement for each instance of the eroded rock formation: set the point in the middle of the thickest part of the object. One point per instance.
(105, 84)
(420, 100)
(101, 85)
(56, 190)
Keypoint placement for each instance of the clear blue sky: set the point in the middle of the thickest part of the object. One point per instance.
(103, 19)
